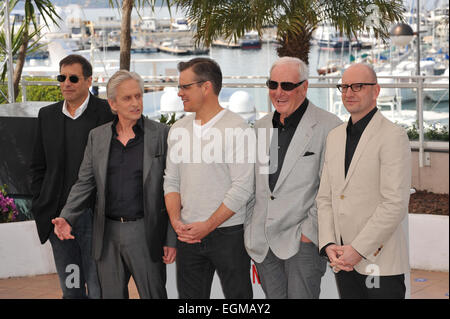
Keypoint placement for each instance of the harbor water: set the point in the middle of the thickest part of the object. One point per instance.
(257, 63)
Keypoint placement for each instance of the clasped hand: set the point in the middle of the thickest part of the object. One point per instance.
(192, 233)
(342, 257)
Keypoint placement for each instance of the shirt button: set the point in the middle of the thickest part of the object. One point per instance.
(342, 196)
(272, 197)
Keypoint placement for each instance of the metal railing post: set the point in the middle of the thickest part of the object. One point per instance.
(420, 118)
(24, 90)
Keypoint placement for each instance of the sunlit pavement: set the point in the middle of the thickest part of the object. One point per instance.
(424, 285)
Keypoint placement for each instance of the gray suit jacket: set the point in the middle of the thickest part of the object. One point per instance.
(280, 217)
(92, 176)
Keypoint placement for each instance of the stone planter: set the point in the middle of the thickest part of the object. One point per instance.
(21, 252)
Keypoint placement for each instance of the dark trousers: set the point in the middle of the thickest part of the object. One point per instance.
(75, 265)
(222, 251)
(353, 285)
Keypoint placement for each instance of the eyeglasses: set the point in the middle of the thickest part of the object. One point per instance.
(356, 87)
(186, 86)
(286, 86)
(72, 78)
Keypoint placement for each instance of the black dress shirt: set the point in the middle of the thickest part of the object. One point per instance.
(285, 133)
(124, 183)
(354, 132)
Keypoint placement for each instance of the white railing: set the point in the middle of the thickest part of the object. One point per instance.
(415, 82)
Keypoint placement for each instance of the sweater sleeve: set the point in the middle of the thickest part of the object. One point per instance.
(241, 169)
(171, 173)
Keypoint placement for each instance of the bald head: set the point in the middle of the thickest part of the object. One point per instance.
(359, 101)
(366, 71)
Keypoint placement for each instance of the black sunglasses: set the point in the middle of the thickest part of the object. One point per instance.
(286, 86)
(72, 78)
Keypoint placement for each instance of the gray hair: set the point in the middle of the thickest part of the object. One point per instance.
(118, 78)
(303, 69)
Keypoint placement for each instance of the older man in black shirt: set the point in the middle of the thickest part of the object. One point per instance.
(281, 231)
(124, 161)
(124, 191)
(285, 132)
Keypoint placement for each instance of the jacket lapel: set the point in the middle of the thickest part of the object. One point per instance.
(265, 129)
(150, 143)
(339, 161)
(92, 111)
(59, 132)
(102, 152)
(370, 131)
(297, 147)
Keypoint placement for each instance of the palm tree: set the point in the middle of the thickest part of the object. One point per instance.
(21, 40)
(16, 43)
(125, 28)
(125, 31)
(295, 19)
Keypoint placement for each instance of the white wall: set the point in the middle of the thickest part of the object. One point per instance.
(21, 252)
(428, 238)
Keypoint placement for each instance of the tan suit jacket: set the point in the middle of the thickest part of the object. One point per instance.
(366, 207)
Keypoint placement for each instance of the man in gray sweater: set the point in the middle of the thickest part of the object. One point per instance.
(208, 181)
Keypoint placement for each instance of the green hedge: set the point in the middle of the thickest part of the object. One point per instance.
(36, 92)
(434, 132)
(42, 92)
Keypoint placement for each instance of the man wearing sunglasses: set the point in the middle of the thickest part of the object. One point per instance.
(60, 141)
(281, 231)
(364, 195)
(124, 164)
